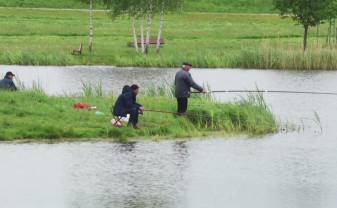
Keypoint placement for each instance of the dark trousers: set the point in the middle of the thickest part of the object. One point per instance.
(134, 114)
(182, 105)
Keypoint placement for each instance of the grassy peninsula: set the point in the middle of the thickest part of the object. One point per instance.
(31, 114)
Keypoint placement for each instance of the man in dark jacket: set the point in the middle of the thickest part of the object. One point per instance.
(183, 83)
(127, 104)
(7, 83)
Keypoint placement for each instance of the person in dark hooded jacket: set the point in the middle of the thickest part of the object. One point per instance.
(7, 83)
(127, 104)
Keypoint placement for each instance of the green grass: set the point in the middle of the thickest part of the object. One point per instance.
(34, 115)
(242, 6)
(42, 37)
(74, 4)
(251, 6)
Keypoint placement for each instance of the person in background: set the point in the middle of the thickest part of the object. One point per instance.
(183, 84)
(127, 104)
(7, 83)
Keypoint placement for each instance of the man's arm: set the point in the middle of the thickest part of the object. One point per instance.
(193, 84)
(12, 86)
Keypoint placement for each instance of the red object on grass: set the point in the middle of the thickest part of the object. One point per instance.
(82, 106)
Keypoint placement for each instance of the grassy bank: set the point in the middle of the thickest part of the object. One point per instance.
(276, 56)
(42, 37)
(255, 6)
(34, 115)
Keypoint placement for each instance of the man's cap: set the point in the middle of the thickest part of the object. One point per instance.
(10, 74)
(187, 64)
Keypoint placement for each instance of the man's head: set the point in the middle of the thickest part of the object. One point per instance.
(10, 75)
(187, 66)
(135, 89)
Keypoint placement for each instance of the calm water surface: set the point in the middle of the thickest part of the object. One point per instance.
(286, 170)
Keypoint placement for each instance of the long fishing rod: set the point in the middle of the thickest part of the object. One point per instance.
(269, 91)
(176, 114)
(160, 111)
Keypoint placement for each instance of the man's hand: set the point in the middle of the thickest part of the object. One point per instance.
(141, 109)
(204, 91)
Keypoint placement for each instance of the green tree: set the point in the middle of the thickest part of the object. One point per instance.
(330, 16)
(165, 6)
(91, 24)
(308, 13)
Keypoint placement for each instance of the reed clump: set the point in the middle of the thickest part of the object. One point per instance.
(277, 56)
(250, 115)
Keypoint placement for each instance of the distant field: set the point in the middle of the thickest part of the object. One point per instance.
(45, 37)
(251, 6)
(242, 6)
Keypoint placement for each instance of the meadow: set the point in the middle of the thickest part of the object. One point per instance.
(33, 115)
(251, 6)
(210, 40)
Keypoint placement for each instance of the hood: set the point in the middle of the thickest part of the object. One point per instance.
(126, 89)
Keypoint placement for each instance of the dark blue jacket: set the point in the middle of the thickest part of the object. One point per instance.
(7, 84)
(125, 103)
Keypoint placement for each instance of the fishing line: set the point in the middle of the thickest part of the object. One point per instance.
(268, 91)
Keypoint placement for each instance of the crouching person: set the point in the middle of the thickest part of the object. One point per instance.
(7, 83)
(127, 104)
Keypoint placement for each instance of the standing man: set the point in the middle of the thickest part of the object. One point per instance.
(127, 104)
(183, 83)
(7, 83)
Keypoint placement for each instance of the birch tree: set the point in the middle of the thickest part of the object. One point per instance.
(131, 8)
(91, 27)
(150, 10)
(91, 24)
(165, 6)
(143, 12)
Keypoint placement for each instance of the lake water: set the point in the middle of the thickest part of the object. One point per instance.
(285, 170)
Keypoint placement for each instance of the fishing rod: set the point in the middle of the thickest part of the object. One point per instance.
(160, 111)
(268, 91)
(176, 114)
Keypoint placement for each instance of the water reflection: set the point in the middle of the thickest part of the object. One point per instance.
(277, 172)
(127, 175)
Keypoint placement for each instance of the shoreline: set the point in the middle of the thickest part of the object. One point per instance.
(113, 67)
(220, 135)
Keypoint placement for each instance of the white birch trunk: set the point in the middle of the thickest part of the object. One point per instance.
(161, 25)
(142, 35)
(148, 30)
(135, 34)
(91, 27)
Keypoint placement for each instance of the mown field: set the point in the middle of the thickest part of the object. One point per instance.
(34, 115)
(251, 6)
(44, 37)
